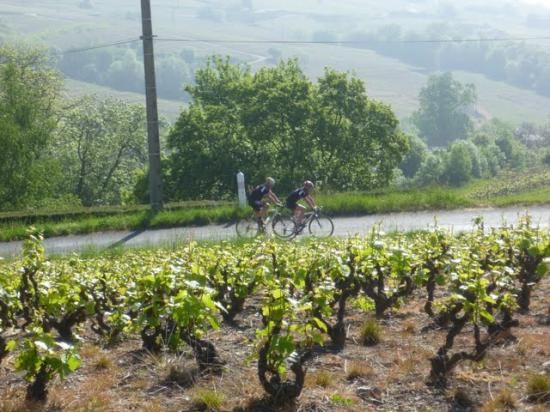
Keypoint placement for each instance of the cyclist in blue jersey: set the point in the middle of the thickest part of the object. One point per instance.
(256, 196)
(299, 194)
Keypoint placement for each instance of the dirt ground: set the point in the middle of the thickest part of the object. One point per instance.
(390, 376)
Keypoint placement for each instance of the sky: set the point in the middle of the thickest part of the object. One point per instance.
(540, 2)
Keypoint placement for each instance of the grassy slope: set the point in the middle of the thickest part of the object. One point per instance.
(529, 188)
(168, 108)
(387, 79)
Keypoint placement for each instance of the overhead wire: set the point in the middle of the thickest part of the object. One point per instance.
(306, 42)
(339, 42)
(100, 46)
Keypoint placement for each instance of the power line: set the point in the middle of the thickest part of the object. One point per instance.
(306, 42)
(101, 46)
(353, 42)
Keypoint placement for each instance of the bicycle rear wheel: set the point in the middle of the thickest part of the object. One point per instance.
(248, 227)
(283, 227)
(321, 226)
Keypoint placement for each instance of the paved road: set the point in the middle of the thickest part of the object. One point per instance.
(459, 220)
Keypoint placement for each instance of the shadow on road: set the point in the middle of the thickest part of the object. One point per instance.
(144, 224)
(125, 239)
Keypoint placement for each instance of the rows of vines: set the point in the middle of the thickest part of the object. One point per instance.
(471, 284)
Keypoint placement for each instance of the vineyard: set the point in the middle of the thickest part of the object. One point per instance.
(424, 321)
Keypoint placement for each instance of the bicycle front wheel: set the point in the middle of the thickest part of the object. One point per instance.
(247, 228)
(321, 226)
(283, 227)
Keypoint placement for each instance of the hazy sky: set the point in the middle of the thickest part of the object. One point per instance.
(541, 2)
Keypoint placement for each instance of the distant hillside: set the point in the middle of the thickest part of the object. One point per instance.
(167, 108)
(64, 25)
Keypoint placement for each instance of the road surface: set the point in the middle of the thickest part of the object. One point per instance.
(458, 220)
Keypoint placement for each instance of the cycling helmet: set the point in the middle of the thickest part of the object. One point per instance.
(308, 184)
(270, 181)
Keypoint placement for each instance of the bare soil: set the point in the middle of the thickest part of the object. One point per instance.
(393, 373)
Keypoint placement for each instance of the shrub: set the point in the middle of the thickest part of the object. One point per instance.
(370, 332)
(415, 157)
(322, 379)
(357, 370)
(459, 164)
(538, 388)
(205, 399)
(504, 401)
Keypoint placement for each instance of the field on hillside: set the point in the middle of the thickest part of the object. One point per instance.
(424, 321)
(75, 89)
(68, 26)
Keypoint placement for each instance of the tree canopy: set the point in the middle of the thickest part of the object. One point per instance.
(57, 152)
(102, 144)
(442, 116)
(29, 90)
(278, 122)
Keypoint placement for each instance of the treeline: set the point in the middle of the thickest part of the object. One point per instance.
(277, 122)
(273, 122)
(483, 154)
(63, 153)
(121, 68)
(517, 63)
(448, 149)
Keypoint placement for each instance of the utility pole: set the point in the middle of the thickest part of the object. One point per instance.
(155, 172)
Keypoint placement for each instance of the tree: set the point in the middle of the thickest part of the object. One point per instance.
(208, 143)
(101, 145)
(277, 122)
(126, 73)
(415, 157)
(29, 94)
(441, 117)
(357, 139)
(431, 170)
(459, 164)
(172, 74)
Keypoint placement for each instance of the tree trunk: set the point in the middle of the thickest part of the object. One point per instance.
(150, 338)
(3, 350)
(281, 390)
(205, 352)
(36, 391)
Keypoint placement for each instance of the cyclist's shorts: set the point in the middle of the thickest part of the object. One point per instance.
(291, 205)
(257, 205)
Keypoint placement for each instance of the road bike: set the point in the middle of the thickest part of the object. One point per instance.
(317, 223)
(278, 218)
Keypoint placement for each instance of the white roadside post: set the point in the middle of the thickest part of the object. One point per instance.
(241, 191)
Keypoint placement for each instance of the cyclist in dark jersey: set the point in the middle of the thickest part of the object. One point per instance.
(255, 198)
(299, 194)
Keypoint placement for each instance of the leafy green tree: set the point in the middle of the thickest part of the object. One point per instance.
(459, 164)
(278, 118)
(101, 145)
(431, 170)
(479, 162)
(172, 73)
(415, 157)
(356, 140)
(442, 117)
(277, 122)
(126, 73)
(208, 141)
(29, 95)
